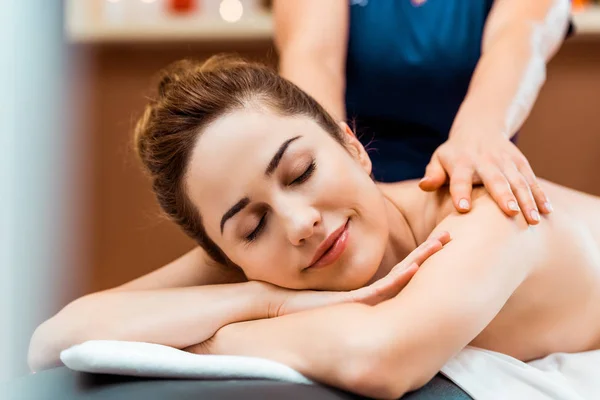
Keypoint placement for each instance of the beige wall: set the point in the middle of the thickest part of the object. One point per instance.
(561, 139)
(562, 136)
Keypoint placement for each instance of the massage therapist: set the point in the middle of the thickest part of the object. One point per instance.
(438, 88)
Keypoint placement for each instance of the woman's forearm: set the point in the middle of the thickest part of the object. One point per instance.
(333, 345)
(518, 42)
(178, 317)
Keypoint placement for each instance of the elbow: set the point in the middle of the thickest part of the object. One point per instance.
(58, 333)
(377, 371)
(42, 353)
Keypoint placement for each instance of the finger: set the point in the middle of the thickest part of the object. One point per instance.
(401, 274)
(542, 201)
(499, 188)
(520, 188)
(397, 281)
(387, 287)
(435, 175)
(442, 236)
(421, 253)
(461, 184)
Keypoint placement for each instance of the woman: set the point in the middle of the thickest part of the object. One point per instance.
(441, 86)
(279, 197)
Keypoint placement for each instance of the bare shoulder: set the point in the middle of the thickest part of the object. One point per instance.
(485, 214)
(573, 207)
(425, 211)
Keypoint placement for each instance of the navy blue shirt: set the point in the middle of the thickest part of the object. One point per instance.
(408, 68)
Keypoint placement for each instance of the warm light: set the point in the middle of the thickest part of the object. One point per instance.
(148, 1)
(231, 10)
(113, 1)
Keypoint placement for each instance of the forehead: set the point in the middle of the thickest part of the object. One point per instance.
(231, 155)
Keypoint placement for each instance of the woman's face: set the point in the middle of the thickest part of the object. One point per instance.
(288, 203)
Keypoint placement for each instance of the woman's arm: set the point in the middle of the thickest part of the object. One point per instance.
(311, 37)
(398, 345)
(458, 292)
(153, 309)
(176, 317)
(520, 36)
(167, 306)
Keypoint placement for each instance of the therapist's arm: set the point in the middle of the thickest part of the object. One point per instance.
(311, 37)
(397, 346)
(520, 37)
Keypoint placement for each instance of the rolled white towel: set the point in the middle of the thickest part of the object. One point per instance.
(154, 360)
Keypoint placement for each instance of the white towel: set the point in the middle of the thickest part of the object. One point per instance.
(488, 375)
(154, 360)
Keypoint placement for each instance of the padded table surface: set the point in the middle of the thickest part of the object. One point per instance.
(65, 384)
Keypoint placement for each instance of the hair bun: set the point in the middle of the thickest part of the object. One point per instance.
(175, 73)
(185, 69)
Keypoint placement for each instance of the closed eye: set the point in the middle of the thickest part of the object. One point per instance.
(306, 174)
(254, 234)
(263, 221)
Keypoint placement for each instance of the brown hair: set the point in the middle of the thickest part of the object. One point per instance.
(191, 95)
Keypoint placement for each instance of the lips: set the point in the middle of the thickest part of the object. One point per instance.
(331, 248)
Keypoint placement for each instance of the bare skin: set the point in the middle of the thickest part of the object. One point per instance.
(556, 308)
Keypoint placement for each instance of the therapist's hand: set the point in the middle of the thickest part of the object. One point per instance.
(494, 161)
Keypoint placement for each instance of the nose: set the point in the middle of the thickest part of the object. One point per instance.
(300, 221)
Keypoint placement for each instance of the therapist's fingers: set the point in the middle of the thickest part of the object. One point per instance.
(542, 201)
(523, 193)
(498, 187)
(435, 174)
(461, 185)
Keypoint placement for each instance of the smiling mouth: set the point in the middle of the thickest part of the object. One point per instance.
(331, 248)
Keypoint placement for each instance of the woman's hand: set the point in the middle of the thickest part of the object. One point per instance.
(288, 301)
(494, 161)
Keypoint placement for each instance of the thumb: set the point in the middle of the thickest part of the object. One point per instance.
(435, 175)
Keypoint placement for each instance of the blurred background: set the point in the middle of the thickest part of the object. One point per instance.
(76, 213)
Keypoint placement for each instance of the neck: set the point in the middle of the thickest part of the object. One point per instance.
(412, 216)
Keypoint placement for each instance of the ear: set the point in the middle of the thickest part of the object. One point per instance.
(356, 149)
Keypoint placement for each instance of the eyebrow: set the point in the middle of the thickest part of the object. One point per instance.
(273, 164)
(279, 155)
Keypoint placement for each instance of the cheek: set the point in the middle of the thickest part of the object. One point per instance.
(265, 261)
(373, 232)
(341, 178)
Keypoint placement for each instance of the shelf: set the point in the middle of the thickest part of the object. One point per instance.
(253, 27)
(587, 21)
(84, 23)
(256, 27)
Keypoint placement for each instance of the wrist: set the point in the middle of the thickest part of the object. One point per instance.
(264, 298)
(478, 122)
